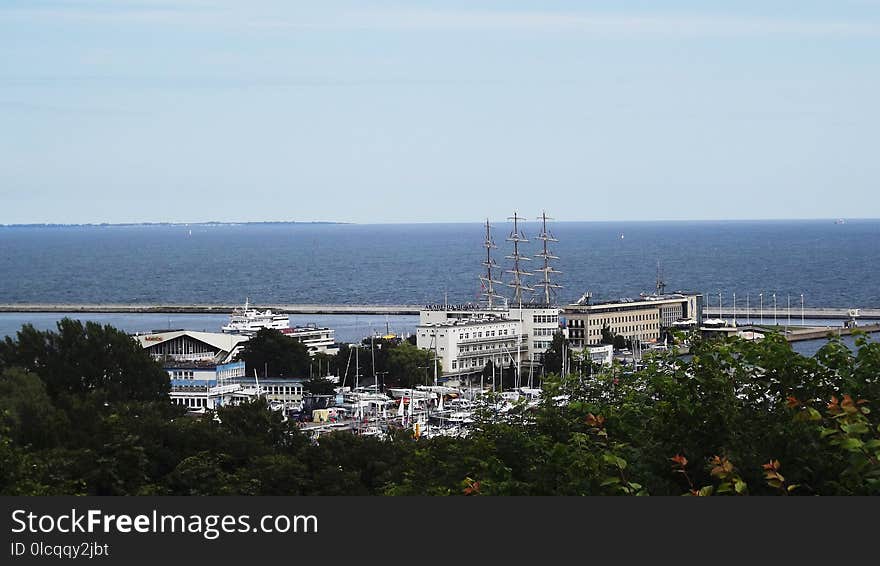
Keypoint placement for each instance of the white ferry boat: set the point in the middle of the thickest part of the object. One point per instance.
(250, 321)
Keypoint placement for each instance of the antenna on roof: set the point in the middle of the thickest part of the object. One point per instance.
(547, 255)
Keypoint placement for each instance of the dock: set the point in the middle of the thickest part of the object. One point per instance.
(782, 313)
(135, 308)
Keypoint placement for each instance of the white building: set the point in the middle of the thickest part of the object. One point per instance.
(538, 323)
(318, 340)
(466, 345)
(602, 355)
(208, 387)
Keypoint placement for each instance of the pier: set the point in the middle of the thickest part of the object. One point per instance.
(783, 313)
(208, 309)
(753, 313)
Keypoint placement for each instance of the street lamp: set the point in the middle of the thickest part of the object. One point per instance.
(788, 296)
(761, 295)
(775, 323)
(802, 309)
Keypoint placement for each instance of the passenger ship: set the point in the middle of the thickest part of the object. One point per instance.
(249, 321)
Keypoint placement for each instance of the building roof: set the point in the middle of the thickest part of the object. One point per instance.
(467, 322)
(216, 340)
(646, 301)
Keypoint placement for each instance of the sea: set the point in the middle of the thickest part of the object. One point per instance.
(831, 264)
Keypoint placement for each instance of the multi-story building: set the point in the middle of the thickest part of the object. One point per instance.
(318, 340)
(539, 322)
(466, 345)
(640, 319)
(206, 386)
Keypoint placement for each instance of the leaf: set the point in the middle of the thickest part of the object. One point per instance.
(855, 428)
(826, 432)
(739, 486)
(706, 491)
(852, 444)
(609, 481)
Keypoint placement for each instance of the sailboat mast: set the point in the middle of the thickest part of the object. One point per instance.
(547, 255)
(518, 283)
(487, 282)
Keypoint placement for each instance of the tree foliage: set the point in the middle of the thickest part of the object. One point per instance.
(735, 418)
(271, 351)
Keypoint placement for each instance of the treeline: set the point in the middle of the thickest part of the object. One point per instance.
(83, 410)
(392, 362)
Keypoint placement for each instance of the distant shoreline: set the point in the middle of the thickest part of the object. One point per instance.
(340, 223)
(183, 224)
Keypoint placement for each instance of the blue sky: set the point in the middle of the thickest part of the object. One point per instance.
(194, 110)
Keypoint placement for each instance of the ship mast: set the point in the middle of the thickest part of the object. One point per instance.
(661, 284)
(517, 283)
(487, 282)
(547, 255)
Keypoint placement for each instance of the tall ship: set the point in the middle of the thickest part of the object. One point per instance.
(249, 321)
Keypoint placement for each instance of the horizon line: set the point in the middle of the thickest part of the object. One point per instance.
(403, 222)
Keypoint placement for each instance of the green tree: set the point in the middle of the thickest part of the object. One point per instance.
(320, 386)
(271, 351)
(552, 359)
(80, 359)
(404, 362)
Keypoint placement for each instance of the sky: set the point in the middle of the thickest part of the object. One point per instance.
(429, 111)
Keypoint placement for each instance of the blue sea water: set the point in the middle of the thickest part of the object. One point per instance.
(831, 264)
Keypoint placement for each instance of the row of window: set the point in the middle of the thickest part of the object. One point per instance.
(625, 329)
(488, 334)
(191, 402)
(286, 390)
(181, 345)
(476, 362)
(480, 347)
(647, 336)
(544, 318)
(182, 374)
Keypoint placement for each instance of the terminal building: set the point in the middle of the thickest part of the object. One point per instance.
(192, 346)
(641, 319)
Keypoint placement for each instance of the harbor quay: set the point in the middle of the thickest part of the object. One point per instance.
(134, 308)
(811, 313)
